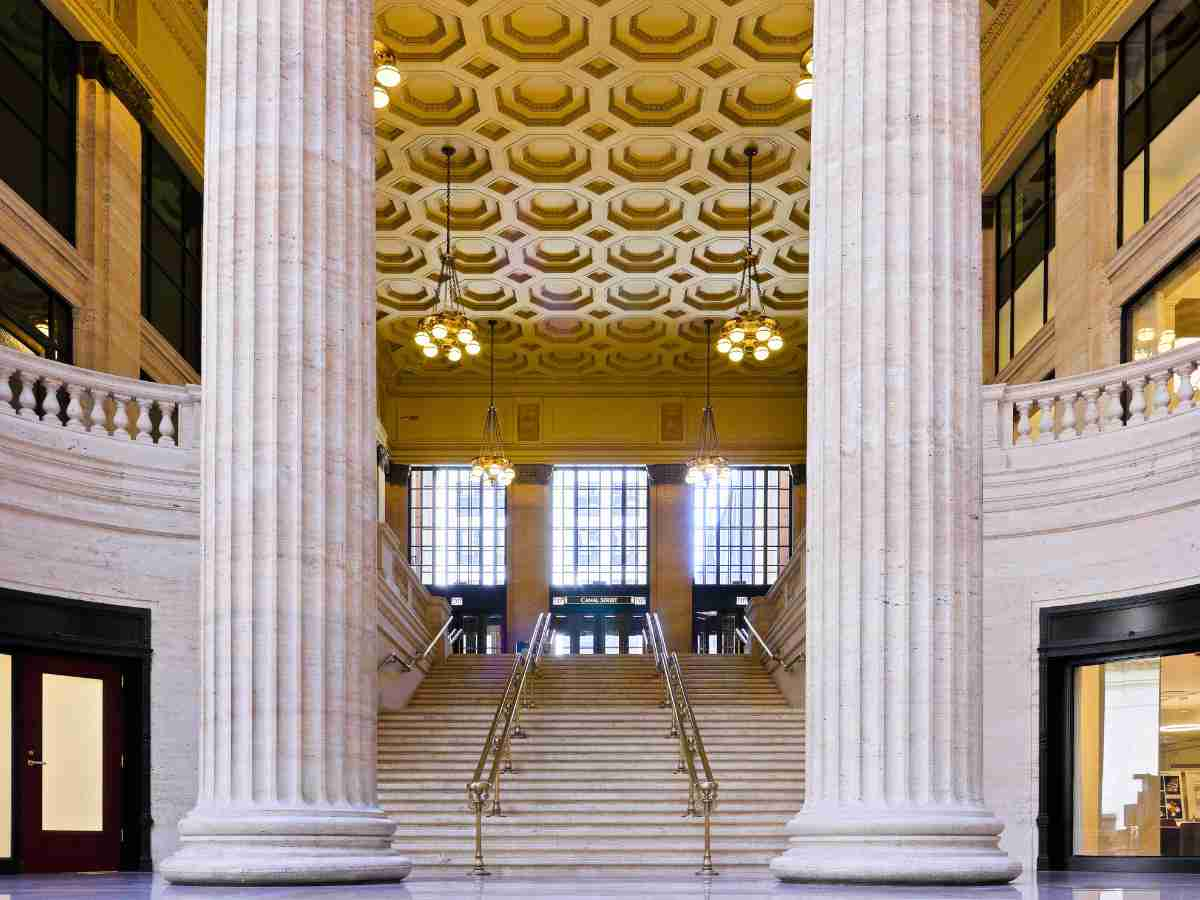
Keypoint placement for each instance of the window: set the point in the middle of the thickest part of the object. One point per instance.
(1167, 315)
(38, 65)
(456, 527)
(1024, 252)
(1137, 771)
(33, 318)
(1160, 112)
(741, 531)
(601, 525)
(172, 212)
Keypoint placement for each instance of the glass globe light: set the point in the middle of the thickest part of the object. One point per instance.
(430, 350)
(455, 354)
(736, 354)
(473, 348)
(724, 345)
(422, 338)
(804, 88)
(737, 335)
(476, 470)
(466, 336)
(761, 352)
(724, 475)
(388, 75)
(763, 334)
(493, 469)
(774, 343)
(439, 330)
(380, 98)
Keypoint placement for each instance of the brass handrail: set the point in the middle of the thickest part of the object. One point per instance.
(771, 656)
(683, 718)
(409, 664)
(498, 744)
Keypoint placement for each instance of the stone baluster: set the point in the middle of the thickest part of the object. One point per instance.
(1160, 395)
(75, 417)
(1046, 419)
(120, 417)
(1023, 425)
(145, 428)
(1114, 410)
(1091, 410)
(26, 401)
(1068, 417)
(6, 394)
(1137, 399)
(50, 404)
(1185, 391)
(166, 425)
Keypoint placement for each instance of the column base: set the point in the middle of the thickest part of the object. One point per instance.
(895, 846)
(303, 846)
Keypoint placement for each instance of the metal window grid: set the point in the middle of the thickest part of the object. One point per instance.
(456, 527)
(600, 527)
(742, 531)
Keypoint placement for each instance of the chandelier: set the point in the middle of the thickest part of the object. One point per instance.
(387, 75)
(491, 463)
(708, 466)
(447, 330)
(751, 330)
(804, 84)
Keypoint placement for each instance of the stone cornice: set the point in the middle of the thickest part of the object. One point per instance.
(101, 64)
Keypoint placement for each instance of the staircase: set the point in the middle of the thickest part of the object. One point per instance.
(594, 783)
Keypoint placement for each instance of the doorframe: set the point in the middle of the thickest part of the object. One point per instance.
(69, 626)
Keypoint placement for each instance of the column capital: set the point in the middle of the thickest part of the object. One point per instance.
(799, 473)
(667, 473)
(1083, 72)
(534, 473)
(397, 474)
(101, 64)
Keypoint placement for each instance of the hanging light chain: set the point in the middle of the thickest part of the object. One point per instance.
(491, 463)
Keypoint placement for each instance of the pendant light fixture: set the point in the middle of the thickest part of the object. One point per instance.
(447, 331)
(491, 463)
(804, 84)
(387, 75)
(751, 331)
(708, 466)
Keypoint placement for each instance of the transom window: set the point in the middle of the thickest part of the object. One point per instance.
(742, 530)
(1024, 252)
(172, 215)
(456, 527)
(601, 525)
(1160, 110)
(39, 61)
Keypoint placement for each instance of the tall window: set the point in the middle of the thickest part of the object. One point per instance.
(742, 531)
(172, 211)
(601, 525)
(1160, 110)
(38, 65)
(33, 319)
(1024, 252)
(1166, 315)
(456, 527)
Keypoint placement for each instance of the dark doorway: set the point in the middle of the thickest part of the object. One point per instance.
(70, 748)
(597, 628)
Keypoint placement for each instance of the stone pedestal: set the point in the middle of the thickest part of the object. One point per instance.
(529, 543)
(893, 768)
(671, 552)
(288, 515)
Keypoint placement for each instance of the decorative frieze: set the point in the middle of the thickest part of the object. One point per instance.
(534, 473)
(1086, 70)
(101, 64)
(667, 473)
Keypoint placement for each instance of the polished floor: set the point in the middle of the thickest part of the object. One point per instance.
(1057, 886)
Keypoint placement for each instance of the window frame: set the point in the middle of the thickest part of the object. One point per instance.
(614, 588)
(191, 203)
(700, 546)
(62, 345)
(481, 533)
(50, 26)
(1007, 217)
(1143, 24)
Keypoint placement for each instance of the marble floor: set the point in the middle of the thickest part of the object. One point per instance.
(1055, 886)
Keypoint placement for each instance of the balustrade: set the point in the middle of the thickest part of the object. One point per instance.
(81, 400)
(1081, 406)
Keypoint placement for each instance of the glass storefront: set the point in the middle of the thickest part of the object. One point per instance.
(1137, 757)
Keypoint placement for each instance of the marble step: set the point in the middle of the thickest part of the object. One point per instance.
(450, 797)
(417, 811)
(417, 758)
(499, 842)
(644, 859)
(556, 780)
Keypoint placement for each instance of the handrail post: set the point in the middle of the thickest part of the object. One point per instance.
(478, 792)
(708, 796)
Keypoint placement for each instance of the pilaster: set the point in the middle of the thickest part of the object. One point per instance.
(395, 504)
(799, 473)
(671, 552)
(529, 544)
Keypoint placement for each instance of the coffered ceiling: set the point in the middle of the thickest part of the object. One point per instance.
(599, 195)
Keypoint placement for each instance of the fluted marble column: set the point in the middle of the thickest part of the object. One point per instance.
(287, 706)
(893, 777)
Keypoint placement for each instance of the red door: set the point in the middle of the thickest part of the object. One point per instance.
(69, 765)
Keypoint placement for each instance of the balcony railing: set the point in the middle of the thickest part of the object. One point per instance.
(1104, 401)
(124, 409)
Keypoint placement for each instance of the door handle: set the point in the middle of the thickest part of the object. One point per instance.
(31, 762)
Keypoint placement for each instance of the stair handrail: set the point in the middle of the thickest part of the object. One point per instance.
(497, 745)
(771, 655)
(690, 745)
(407, 665)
